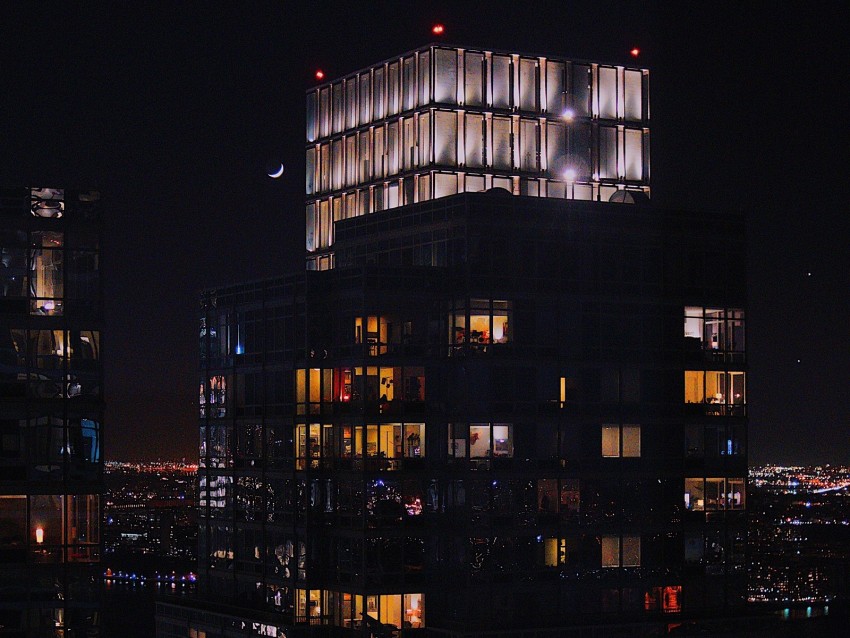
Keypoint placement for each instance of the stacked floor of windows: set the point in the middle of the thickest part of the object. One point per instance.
(51, 411)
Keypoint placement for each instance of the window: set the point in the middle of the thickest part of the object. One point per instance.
(620, 551)
(560, 551)
(714, 333)
(716, 392)
(711, 494)
(484, 323)
(491, 439)
(621, 441)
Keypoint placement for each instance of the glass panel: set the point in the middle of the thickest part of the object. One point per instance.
(610, 551)
(474, 140)
(378, 158)
(378, 89)
(474, 79)
(445, 75)
(392, 148)
(445, 184)
(608, 152)
(634, 154)
(325, 112)
(554, 86)
(528, 85)
(408, 82)
(633, 95)
(501, 81)
(424, 78)
(479, 441)
(607, 92)
(392, 88)
(337, 113)
(694, 494)
(610, 441)
(445, 138)
(631, 551)
(312, 119)
(581, 90)
(556, 149)
(694, 390)
(528, 149)
(501, 146)
(351, 110)
(503, 442)
(631, 441)
(365, 98)
(425, 139)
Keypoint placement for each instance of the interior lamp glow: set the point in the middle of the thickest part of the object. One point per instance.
(39, 535)
(438, 29)
(570, 175)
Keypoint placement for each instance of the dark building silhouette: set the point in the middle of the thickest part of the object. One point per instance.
(51, 407)
(516, 410)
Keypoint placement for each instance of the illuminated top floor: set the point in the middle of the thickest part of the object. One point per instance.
(442, 120)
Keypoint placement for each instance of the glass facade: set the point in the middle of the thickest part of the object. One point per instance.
(440, 121)
(51, 408)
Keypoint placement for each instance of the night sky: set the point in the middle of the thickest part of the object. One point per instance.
(174, 109)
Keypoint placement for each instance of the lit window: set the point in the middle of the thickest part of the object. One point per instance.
(715, 493)
(620, 551)
(621, 441)
(491, 439)
(484, 323)
(716, 392)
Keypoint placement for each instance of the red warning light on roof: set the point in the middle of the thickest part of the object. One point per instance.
(635, 52)
(438, 29)
(320, 75)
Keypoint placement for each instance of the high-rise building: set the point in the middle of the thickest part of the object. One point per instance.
(51, 409)
(512, 398)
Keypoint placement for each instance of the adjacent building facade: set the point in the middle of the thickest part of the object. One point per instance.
(51, 409)
(513, 397)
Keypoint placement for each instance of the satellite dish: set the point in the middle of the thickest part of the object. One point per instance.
(629, 197)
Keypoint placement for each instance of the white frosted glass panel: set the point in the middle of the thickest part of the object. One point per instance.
(325, 166)
(445, 138)
(322, 240)
(445, 75)
(378, 198)
(528, 148)
(527, 85)
(556, 189)
(607, 152)
(392, 88)
(633, 98)
(634, 148)
(363, 159)
(378, 89)
(605, 193)
(474, 139)
(365, 99)
(556, 149)
(529, 187)
(351, 110)
(378, 152)
(392, 195)
(363, 206)
(350, 205)
(408, 83)
(336, 164)
(474, 79)
(408, 155)
(607, 92)
(583, 192)
(503, 182)
(392, 148)
(501, 142)
(424, 188)
(312, 117)
(580, 102)
(337, 112)
(445, 184)
(580, 149)
(474, 183)
(311, 227)
(424, 78)
(424, 139)
(554, 86)
(501, 81)
(325, 112)
(310, 171)
(350, 160)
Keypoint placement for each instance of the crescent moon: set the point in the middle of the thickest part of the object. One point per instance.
(277, 173)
